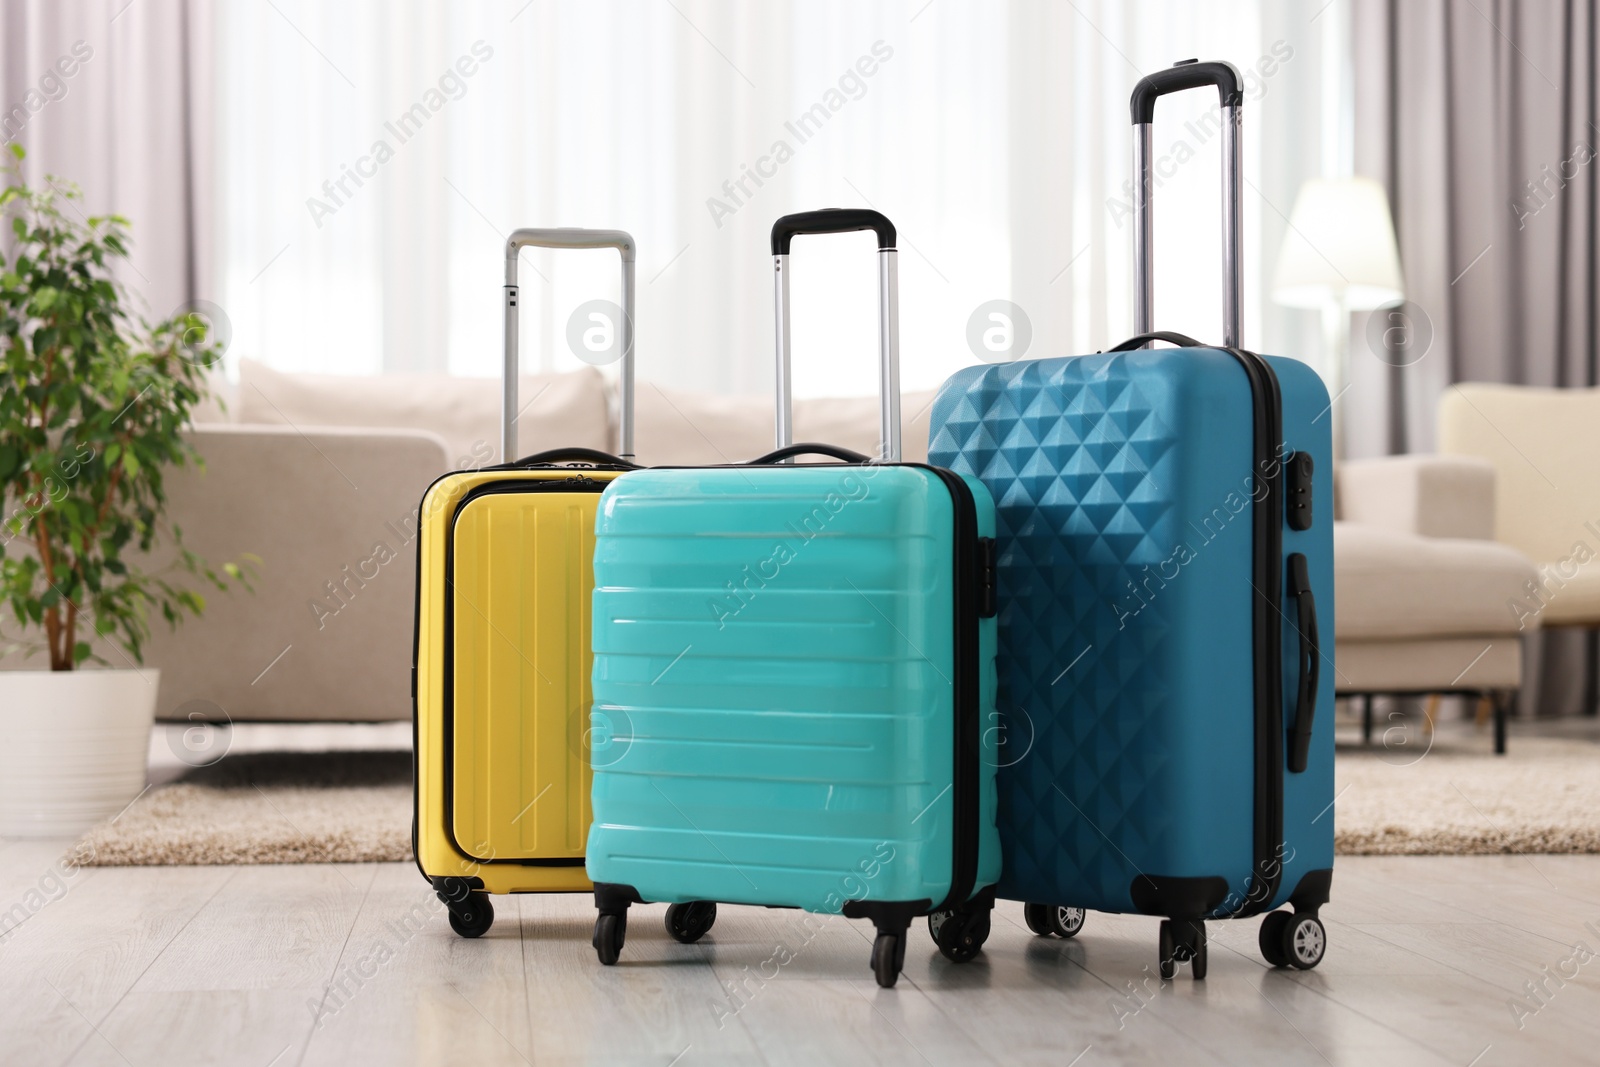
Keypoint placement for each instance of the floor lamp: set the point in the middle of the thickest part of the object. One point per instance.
(1339, 255)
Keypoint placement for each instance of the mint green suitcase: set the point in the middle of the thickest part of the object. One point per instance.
(793, 682)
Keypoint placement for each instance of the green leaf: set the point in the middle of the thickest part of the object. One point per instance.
(16, 150)
(130, 463)
(80, 652)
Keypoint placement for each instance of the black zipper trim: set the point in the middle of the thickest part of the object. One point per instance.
(965, 776)
(416, 648)
(1267, 648)
(578, 483)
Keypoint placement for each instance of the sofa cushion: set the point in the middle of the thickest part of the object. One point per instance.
(557, 409)
(1392, 584)
(1393, 664)
(673, 427)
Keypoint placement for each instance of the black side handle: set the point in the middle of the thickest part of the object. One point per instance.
(848, 455)
(1182, 340)
(589, 456)
(1305, 707)
(1185, 74)
(831, 220)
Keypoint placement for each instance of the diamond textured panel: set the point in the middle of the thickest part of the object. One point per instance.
(1081, 462)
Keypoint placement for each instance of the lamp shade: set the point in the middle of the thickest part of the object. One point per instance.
(1340, 244)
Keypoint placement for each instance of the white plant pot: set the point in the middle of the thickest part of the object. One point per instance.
(73, 747)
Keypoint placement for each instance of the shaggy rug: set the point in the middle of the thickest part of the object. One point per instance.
(1459, 801)
(355, 807)
(268, 807)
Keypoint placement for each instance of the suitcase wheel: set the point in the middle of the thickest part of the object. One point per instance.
(688, 923)
(959, 933)
(1183, 941)
(1047, 919)
(1294, 939)
(473, 916)
(610, 930)
(888, 956)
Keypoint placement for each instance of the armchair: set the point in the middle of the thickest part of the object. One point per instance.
(1540, 443)
(1423, 595)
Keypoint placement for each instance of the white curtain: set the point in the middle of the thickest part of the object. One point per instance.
(116, 98)
(995, 136)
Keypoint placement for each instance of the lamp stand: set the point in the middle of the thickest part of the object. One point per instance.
(1336, 359)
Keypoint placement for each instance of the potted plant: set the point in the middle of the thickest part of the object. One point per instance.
(93, 404)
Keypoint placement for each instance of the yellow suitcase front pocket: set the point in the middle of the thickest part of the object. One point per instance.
(521, 576)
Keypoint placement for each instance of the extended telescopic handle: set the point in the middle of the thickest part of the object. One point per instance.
(1188, 74)
(564, 238)
(844, 220)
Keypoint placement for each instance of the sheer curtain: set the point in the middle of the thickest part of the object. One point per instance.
(368, 179)
(117, 99)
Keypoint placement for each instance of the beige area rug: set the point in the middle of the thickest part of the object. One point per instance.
(355, 807)
(1544, 796)
(268, 807)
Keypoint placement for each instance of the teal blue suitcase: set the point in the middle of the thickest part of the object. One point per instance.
(1166, 567)
(793, 683)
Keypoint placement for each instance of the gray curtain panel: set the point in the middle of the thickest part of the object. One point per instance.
(1479, 116)
(118, 98)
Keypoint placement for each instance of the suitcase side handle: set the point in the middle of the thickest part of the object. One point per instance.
(1182, 340)
(848, 455)
(1188, 74)
(843, 220)
(622, 241)
(1310, 664)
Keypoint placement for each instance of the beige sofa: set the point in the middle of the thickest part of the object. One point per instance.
(321, 477)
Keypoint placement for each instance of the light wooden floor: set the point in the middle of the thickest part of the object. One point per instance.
(279, 966)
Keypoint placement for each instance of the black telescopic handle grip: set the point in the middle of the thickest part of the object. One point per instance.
(848, 455)
(1182, 340)
(1186, 74)
(831, 220)
(574, 454)
(1310, 664)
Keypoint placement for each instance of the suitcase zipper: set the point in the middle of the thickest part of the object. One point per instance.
(973, 573)
(1267, 645)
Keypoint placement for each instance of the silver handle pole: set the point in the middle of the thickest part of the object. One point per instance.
(622, 241)
(508, 389)
(889, 355)
(1143, 238)
(625, 387)
(1232, 232)
(784, 420)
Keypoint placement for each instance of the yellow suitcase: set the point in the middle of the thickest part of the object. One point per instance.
(501, 660)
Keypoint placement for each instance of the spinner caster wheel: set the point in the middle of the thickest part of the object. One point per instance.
(1182, 941)
(1271, 938)
(959, 934)
(1304, 941)
(610, 930)
(1037, 916)
(888, 956)
(1065, 921)
(473, 916)
(688, 923)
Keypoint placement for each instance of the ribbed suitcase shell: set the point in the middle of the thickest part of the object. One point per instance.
(502, 677)
(1123, 485)
(773, 710)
